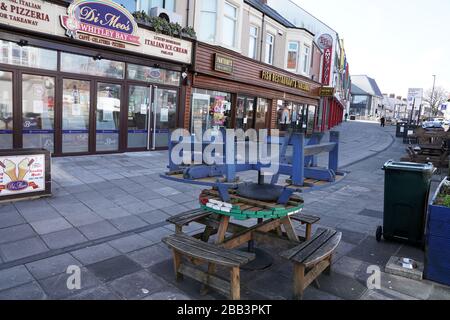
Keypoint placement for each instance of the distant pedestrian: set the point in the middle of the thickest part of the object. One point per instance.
(346, 116)
(382, 121)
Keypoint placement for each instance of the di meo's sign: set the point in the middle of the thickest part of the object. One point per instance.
(103, 19)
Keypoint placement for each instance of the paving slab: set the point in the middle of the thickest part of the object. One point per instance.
(137, 285)
(150, 256)
(93, 254)
(128, 223)
(114, 268)
(56, 286)
(130, 243)
(15, 233)
(52, 266)
(29, 291)
(14, 277)
(10, 217)
(96, 293)
(63, 239)
(98, 230)
(51, 225)
(22, 248)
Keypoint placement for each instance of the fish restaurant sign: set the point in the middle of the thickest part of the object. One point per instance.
(101, 18)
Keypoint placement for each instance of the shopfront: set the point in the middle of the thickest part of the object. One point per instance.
(252, 95)
(73, 87)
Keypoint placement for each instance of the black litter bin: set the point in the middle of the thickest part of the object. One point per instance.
(400, 129)
(406, 189)
(408, 134)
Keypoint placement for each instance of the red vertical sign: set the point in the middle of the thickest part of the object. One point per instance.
(325, 42)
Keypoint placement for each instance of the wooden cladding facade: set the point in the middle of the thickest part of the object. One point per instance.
(248, 72)
(245, 80)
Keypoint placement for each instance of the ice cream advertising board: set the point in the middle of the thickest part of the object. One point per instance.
(22, 174)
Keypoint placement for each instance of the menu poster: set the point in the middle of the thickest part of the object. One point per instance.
(143, 108)
(76, 109)
(38, 106)
(164, 114)
(22, 174)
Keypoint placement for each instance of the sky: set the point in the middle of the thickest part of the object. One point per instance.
(399, 43)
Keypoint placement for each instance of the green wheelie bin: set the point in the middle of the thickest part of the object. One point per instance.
(406, 190)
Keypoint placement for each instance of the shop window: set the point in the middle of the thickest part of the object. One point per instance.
(284, 114)
(38, 106)
(210, 110)
(75, 63)
(270, 40)
(311, 119)
(208, 17)
(107, 116)
(292, 55)
(27, 56)
(253, 42)
(6, 110)
(76, 106)
(153, 75)
(262, 108)
(229, 25)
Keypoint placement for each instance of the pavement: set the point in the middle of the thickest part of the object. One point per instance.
(107, 217)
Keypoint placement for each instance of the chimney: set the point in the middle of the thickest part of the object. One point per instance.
(263, 1)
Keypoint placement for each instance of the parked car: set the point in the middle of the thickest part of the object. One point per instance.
(433, 126)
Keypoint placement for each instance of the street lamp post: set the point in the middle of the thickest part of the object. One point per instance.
(432, 92)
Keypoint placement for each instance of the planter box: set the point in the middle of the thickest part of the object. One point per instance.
(437, 249)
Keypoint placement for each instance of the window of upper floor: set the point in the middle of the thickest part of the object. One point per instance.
(270, 44)
(292, 56)
(206, 30)
(230, 17)
(306, 58)
(146, 5)
(253, 42)
(219, 22)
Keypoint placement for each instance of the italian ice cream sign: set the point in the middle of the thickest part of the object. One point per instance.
(22, 174)
(100, 18)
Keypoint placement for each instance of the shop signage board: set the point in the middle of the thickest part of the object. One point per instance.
(415, 96)
(326, 92)
(285, 80)
(24, 173)
(104, 19)
(223, 64)
(325, 43)
(111, 26)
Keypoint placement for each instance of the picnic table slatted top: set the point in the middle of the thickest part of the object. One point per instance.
(209, 252)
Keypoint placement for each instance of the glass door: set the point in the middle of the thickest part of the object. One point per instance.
(38, 102)
(261, 113)
(6, 110)
(164, 116)
(245, 112)
(75, 121)
(107, 117)
(139, 98)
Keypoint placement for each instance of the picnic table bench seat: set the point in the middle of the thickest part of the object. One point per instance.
(309, 220)
(184, 245)
(311, 258)
(185, 218)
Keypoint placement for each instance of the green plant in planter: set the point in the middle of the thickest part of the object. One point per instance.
(446, 201)
(161, 25)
